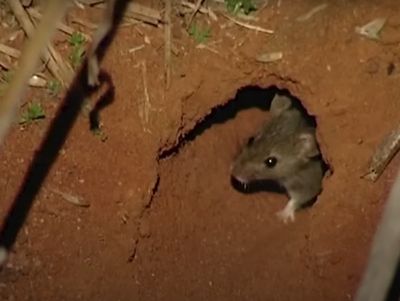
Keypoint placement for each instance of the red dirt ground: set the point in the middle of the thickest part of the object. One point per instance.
(175, 228)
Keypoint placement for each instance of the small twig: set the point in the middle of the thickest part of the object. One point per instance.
(146, 106)
(79, 4)
(127, 21)
(248, 26)
(194, 12)
(4, 65)
(312, 12)
(204, 10)
(146, 92)
(167, 37)
(12, 52)
(382, 156)
(134, 49)
(203, 46)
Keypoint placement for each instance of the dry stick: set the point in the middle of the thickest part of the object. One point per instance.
(62, 71)
(248, 26)
(31, 52)
(201, 9)
(167, 36)
(195, 10)
(12, 52)
(385, 251)
(4, 65)
(145, 106)
(312, 12)
(382, 156)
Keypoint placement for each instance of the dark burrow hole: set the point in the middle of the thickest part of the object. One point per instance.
(246, 98)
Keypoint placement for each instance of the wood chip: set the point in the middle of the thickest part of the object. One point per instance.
(73, 199)
(270, 57)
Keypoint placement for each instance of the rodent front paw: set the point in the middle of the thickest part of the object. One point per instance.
(286, 215)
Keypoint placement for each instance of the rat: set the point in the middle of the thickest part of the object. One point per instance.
(285, 151)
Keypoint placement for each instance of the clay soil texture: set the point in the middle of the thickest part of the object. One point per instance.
(163, 221)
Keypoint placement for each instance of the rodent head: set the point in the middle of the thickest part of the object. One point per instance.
(274, 157)
(283, 147)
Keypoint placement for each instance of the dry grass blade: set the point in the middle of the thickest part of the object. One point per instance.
(248, 26)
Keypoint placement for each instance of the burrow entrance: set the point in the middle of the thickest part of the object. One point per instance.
(222, 244)
(253, 99)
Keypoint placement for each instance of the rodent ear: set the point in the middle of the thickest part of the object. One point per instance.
(309, 147)
(279, 104)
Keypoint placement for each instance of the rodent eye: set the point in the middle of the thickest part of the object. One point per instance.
(250, 141)
(270, 162)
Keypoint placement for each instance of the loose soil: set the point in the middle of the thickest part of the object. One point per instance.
(164, 222)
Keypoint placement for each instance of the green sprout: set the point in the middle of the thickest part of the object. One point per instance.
(32, 113)
(200, 35)
(54, 87)
(77, 41)
(244, 6)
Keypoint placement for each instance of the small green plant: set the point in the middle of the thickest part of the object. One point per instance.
(54, 87)
(200, 35)
(32, 113)
(244, 6)
(77, 41)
